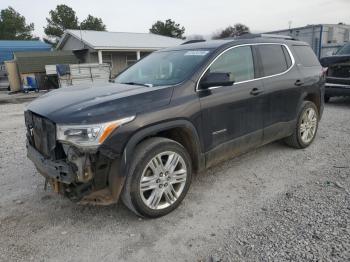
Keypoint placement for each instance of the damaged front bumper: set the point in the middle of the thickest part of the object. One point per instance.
(57, 170)
(80, 179)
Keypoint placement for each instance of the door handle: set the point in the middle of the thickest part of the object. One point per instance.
(298, 82)
(256, 91)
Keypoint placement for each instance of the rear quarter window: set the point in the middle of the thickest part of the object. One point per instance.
(306, 55)
(274, 59)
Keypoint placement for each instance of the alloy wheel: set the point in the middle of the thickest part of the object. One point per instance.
(308, 125)
(163, 180)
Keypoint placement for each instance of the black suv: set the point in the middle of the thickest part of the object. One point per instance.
(338, 73)
(175, 112)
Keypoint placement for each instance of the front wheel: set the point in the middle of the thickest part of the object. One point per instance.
(158, 179)
(306, 127)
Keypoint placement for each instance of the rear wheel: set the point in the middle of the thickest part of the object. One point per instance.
(159, 178)
(306, 128)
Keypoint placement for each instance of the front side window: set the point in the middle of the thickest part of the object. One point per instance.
(273, 59)
(164, 67)
(237, 63)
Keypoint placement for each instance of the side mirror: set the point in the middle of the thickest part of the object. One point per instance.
(216, 79)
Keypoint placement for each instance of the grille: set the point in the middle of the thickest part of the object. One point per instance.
(342, 71)
(41, 133)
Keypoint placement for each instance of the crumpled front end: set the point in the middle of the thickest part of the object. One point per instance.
(338, 75)
(84, 176)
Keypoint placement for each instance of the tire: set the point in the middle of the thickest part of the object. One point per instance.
(297, 140)
(326, 99)
(141, 198)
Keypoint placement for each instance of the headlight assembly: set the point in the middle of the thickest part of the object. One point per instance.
(89, 135)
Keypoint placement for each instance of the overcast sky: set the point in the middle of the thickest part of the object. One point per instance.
(197, 16)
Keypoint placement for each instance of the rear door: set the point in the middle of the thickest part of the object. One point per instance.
(233, 112)
(281, 82)
(311, 71)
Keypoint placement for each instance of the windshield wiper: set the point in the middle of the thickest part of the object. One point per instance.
(137, 84)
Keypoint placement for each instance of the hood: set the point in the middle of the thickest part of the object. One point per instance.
(97, 104)
(336, 59)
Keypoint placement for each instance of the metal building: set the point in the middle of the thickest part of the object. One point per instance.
(324, 39)
(7, 49)
(118, 49)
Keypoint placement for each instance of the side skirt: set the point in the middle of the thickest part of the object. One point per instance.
(248, 142)
(233, 148)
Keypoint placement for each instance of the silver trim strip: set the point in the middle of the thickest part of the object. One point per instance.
(251, 80)
(219, 131)
(337, 85)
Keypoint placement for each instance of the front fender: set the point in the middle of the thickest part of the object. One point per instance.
(152, 131)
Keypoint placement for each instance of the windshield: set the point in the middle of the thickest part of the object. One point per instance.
(164, 68)
(345, 50)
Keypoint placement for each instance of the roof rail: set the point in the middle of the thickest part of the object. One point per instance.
(250, 36)
(286, 37)
(193, 41)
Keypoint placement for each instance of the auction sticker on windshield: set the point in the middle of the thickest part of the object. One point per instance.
(197, 53)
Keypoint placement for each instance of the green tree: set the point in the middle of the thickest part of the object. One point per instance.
(93, 23)
(62, 18)
(13, 26)
(232, 31)
(168, 28)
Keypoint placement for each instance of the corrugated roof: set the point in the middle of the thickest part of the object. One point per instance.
(43, 54)
(309, 26)
(34, 62)
(121, 40)
(19, 45)
(7, 47)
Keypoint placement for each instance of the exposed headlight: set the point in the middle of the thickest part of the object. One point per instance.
(89, 135)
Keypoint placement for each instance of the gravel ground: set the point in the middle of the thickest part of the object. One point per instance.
(307, 223)
(15, 98)
(272, 204)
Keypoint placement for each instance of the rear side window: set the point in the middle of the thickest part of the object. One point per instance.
(274, 59)
(306, 55)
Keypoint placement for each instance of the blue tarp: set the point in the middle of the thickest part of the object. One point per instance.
(7, 47)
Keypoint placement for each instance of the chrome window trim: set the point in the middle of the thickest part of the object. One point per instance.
(250, 80)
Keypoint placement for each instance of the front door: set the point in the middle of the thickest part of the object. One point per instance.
(232, 116)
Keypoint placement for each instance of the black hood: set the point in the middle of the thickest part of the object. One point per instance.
(336, 59)
(77, 105)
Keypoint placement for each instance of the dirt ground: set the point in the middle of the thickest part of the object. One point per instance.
(272, 204)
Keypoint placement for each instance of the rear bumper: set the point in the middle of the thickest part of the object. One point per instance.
(57, 170)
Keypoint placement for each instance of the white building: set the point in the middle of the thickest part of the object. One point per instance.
(323, 38)
(119, 49)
